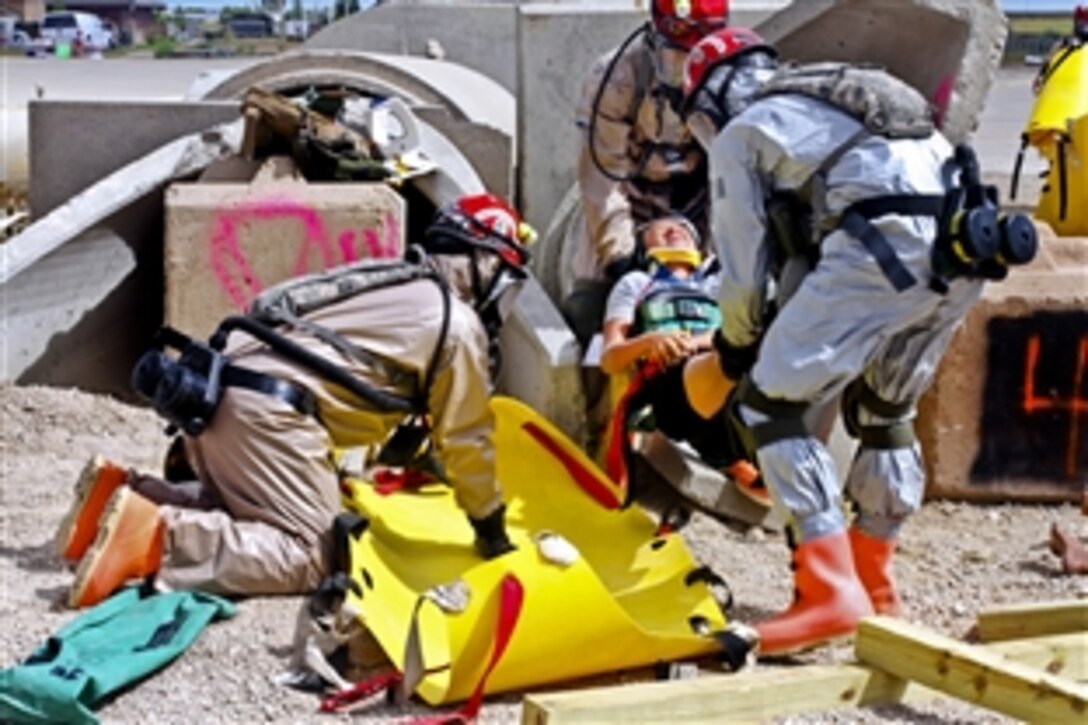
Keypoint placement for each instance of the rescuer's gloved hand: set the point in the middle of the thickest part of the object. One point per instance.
(491, 538)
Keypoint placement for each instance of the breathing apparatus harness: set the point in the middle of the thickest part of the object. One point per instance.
(186, 389)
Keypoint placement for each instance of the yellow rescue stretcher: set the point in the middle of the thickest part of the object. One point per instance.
(457, 626)
(1058, 129)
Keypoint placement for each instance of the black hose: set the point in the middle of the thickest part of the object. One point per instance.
(292, 351)
(592, 130)
(1015, 184)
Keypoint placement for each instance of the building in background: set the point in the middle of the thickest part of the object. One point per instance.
(23, 9)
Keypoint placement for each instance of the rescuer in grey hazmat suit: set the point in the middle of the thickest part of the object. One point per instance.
(887, 283)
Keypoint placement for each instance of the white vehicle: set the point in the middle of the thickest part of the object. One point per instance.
(69, 27)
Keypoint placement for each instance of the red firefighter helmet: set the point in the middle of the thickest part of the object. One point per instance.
(1080, 22)
(481, 221)
(723, 46)
(683, 22)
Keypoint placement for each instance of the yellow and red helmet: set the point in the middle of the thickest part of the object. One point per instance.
(481, 221)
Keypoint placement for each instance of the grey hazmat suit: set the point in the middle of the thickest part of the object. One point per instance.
(846, 320)
(271, 467)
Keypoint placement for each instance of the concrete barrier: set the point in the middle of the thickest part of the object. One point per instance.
(542, 362)
(478, 35)
(947, 49)
(557, 47)
(226, 242)
(1007, 416)
(73, 144)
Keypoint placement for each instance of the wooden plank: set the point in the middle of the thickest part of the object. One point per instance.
(742, 697)
(970, 672)
(760, 695)
(1033, 620)
(1065, 655)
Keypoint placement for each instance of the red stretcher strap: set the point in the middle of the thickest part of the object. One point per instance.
(361, 690)
(600, 490)
(615, 462)
(511, 597)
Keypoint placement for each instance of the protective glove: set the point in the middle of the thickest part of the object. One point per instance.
(491, 538)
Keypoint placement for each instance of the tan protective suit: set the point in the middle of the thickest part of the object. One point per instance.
(637, 134)
(271, 466)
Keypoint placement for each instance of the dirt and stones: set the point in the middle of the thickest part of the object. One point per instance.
(956, 559)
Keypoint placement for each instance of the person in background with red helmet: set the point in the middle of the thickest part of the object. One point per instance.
(854, 154)
(1080, 23)
(637, 161)
(258, 517)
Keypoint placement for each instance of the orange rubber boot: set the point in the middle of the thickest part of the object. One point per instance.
(99, 479)
(748, 482)
(128, 546)
(828, 601)
(873, 561)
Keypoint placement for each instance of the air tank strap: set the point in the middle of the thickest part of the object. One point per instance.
(857, 222)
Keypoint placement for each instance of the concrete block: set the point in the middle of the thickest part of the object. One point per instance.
(226, 242)
(82, 314)
(478, 35)
(943, 48)
(75, 143)
(489, 151)
(558, 44)
(542, 363)
(1005, 419)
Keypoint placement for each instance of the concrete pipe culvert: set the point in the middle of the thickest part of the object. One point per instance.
(464, 93)
(460, 105)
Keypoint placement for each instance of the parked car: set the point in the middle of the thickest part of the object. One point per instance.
(70, 27)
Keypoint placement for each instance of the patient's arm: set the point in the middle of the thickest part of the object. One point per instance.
(620, 352)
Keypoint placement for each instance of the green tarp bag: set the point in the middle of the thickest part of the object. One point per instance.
(117, 643)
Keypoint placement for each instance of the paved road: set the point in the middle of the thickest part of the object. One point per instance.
(83, 79)
(104, 80)
(998, 136)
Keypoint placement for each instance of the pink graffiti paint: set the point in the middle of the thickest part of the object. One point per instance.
(236, 275)
(942, 98)
(386, 246)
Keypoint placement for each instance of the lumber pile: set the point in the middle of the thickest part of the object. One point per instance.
(1030, 663)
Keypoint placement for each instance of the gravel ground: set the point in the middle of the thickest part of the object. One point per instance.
(956, 560)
